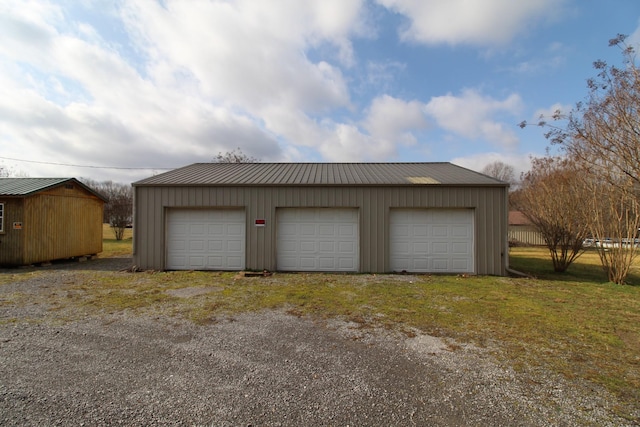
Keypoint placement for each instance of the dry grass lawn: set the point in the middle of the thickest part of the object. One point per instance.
(575, 324)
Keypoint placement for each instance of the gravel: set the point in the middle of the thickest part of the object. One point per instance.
(259, 369)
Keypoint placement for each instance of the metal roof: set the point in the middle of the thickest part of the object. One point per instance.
(338, 174)
(21, 187)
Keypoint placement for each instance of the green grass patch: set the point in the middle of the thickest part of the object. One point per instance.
(112, 247)
(587, 268)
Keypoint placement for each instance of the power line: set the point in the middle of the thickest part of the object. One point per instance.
(81, 166)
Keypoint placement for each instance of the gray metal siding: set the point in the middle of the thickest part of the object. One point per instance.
(489, 204)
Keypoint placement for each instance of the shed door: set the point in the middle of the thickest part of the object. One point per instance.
(205, 239)
(432, 240)
(317, 239)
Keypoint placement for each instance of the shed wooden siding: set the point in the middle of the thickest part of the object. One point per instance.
(57, 223)
(11, 241)
(489, 205)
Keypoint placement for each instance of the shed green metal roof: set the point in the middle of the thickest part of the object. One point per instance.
(338, 174)
(22, 187)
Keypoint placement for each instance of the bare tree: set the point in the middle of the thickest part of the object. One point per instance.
(234, 156)
(552, 197)
(604, 131)
(615, 212)
(11, 172)
(118, 211)
(501, 171)
(602, 134)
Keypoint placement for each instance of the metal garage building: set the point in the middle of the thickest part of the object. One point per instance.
(350, 217)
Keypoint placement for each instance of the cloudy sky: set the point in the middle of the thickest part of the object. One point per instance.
(122, 90)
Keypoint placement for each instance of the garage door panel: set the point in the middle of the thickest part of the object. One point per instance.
(439, 231)
(461, 264)
(288, 229)
(431, 240)
(215, 245)
(347, 247)
(441, 265)
(327, 247)
(307, 246)
(196, 229)
(461, 248)
(288, 245)
(235, 229)
(418, 248)
(327, 264)
(176, 259)
(461, 231)
(205, 239)
(309, 230)
(306, 263)
(400, 247)
(326, 230)
(347, 264)
(399, 230)
(287, 263)
(347, 231)
(326, 239)
(214, 261)
(234, 246)
(419, 230)
(196, 245)
(440, 248)
(234, 263)
(196, 261)
(416, 264)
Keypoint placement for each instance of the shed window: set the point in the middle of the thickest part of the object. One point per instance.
(1, 217)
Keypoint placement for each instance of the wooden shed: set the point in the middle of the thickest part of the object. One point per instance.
(45, 219)
(346, 217)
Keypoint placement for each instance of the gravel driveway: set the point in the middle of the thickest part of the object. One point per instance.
(256, 369)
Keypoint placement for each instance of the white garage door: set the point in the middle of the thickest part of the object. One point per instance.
(205, 239)
(322, 239)
(432, 240)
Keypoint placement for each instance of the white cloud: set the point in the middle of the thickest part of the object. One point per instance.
(471, 115)
(520, 162)
(634, 38)
(346, 143)
(393, 120)
(389, 123)
(252, 53)
(205, 78)
(487, 22)
(547, 114)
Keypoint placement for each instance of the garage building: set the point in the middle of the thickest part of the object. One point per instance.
(338, 217)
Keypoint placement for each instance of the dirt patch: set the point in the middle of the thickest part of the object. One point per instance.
(192, 292)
